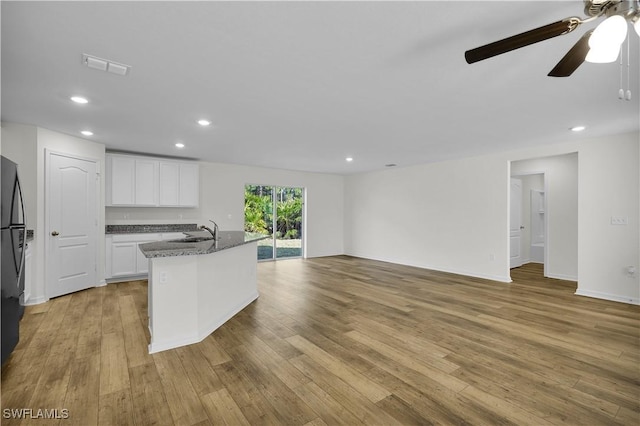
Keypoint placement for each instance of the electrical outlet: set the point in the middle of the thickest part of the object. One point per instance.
(163, 277)
(619, 220)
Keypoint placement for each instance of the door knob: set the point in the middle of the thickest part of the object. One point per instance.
(55, 233)
(521, 227)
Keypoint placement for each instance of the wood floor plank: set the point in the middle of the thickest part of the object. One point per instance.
(182, 399)
(327, 408)
(150, 405)
(223, 410)
(84, 383)
(201, 375)
(114, 373)
(286, 405)
(116, 409)
(371, 390)
(343, 391)
(135, 340)
(339, 340)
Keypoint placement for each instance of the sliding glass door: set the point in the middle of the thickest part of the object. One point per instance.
(277, 212)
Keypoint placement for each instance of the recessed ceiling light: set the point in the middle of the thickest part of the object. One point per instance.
(577, 128)
(179, 145)
(204, 122)
(87, 132)
(79, 100)
(349, 159)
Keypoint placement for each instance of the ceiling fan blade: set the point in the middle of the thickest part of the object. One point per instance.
(521, 40)
(573, 59)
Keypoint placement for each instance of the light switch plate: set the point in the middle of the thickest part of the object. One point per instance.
(619, 220)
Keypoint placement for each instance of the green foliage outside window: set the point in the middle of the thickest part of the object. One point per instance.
(258, 211)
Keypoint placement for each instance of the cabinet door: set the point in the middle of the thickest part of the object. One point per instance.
(142, 263)
(189, 185)
(123, 258)
(122, 180)
(169, 187)
(146, 182)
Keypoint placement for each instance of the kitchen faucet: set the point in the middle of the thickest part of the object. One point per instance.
(213, 233)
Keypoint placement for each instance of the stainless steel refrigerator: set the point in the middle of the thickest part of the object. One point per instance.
(14, 236)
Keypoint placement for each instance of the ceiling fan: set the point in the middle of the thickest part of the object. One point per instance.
(599, 45)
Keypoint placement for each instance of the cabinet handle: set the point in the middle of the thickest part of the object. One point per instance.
(55, 233)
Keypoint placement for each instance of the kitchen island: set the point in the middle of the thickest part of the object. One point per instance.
(196, 286)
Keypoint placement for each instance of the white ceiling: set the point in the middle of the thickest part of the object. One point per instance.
(302, 85)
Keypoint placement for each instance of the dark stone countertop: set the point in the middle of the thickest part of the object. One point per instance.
(227, 240)
(151, 228)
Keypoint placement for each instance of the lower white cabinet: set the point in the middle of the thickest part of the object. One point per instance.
(125, 261)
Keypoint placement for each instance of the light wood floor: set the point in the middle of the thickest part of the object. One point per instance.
(340, 340)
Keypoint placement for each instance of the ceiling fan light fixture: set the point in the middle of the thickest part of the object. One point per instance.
(602, 54)
(606, 40)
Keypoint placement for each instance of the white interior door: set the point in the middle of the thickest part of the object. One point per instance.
(72, 224)
(515, 223)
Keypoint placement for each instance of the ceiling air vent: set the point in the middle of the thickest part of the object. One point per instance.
(105, 65)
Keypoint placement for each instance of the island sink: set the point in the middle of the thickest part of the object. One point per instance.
(192, 240)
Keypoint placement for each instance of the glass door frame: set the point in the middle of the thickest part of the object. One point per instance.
(274, 221)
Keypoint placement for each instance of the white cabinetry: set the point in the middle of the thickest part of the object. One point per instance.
(134, 181)
(179, 184)
(146, 186)
(121, 181)
(124, 258)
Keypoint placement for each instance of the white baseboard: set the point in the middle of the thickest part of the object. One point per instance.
(562, 277)
(35, 301)
(205, 331)
(499, 278)
(102, 283)
(172, 344)
(608, 296)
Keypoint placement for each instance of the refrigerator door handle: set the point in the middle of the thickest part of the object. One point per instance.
(22, 255)
(24, 231)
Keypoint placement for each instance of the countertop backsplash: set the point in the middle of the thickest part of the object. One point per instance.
(150, 228)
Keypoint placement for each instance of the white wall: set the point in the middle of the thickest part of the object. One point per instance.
(561, 174)
(609, 186)
(222, 200)
(20, 145)
(453, 216)
(449, 216)
(27, 144)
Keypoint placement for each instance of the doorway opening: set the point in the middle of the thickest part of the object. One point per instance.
(276, 211)
(528, 218)
(556, 208)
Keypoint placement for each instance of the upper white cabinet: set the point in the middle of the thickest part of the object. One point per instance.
(179, 184)
(121, 180)
(146, 187)
(134, 181)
